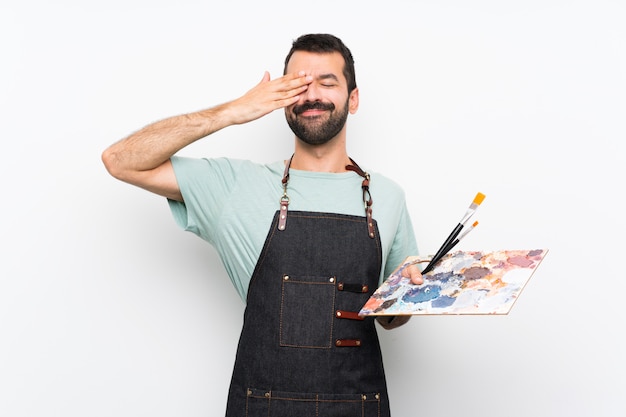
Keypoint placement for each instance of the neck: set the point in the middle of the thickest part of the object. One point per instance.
(329, 157)
(319, 160)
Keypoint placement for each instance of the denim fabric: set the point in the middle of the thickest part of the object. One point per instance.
(288, 363)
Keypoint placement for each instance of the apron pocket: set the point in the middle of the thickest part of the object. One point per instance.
(289, 404)
(307, 311)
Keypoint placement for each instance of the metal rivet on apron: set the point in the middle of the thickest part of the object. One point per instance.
(371, 234)
(338, 313)
(338, 343)
(365, 288)
(249, 392)
(286, 277)
(364, 397)
(378, 396)
(332, 279)
(267, 395)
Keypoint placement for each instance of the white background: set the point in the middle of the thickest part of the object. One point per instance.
(108, 309)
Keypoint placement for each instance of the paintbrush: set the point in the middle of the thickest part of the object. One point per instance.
(452, 244)
(449, 242)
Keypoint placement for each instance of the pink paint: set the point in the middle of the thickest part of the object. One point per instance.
(521, 261)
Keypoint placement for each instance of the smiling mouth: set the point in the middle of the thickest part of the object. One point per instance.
(312, 113)
(313, 109)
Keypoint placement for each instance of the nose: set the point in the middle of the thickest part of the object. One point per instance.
(312, 93)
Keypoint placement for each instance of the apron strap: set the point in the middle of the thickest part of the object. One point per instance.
(284, 200)
(367, 197)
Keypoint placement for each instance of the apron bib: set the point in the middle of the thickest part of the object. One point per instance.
(303, 350)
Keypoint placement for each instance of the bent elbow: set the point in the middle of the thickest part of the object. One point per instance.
(111, 163)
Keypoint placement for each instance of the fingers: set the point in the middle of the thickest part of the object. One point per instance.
(414, 274)
(290, 86)
(282, 91)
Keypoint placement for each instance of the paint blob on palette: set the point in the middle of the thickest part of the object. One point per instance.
(463, 282)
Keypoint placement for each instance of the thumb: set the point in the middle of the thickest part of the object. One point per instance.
(266, 77)
(413, 273)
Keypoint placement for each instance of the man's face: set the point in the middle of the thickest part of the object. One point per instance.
(322, 110)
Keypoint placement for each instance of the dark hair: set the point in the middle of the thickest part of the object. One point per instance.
(325, 43)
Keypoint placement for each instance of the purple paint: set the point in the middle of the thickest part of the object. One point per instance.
(476, 272)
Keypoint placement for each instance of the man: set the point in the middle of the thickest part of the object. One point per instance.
(303, 349)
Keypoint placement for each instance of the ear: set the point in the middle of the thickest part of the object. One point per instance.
(353, 104)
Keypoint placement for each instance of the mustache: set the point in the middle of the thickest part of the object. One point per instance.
(316, 105)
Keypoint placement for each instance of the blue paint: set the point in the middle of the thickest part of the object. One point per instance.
(422, 294)
(443, 301)
(441, 276)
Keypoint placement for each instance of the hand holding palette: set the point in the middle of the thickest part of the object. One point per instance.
(462, 282)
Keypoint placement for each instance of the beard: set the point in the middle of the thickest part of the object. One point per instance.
(316, 130)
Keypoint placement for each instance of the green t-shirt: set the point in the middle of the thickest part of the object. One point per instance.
(230, 203)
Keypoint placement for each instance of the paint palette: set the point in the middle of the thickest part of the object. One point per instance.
(463, 282)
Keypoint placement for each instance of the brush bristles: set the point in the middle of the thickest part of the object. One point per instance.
(478, 199)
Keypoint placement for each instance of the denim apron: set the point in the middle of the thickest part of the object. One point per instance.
(303, 350)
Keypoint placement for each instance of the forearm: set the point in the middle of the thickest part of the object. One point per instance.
(392, 322)
(154, 144)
